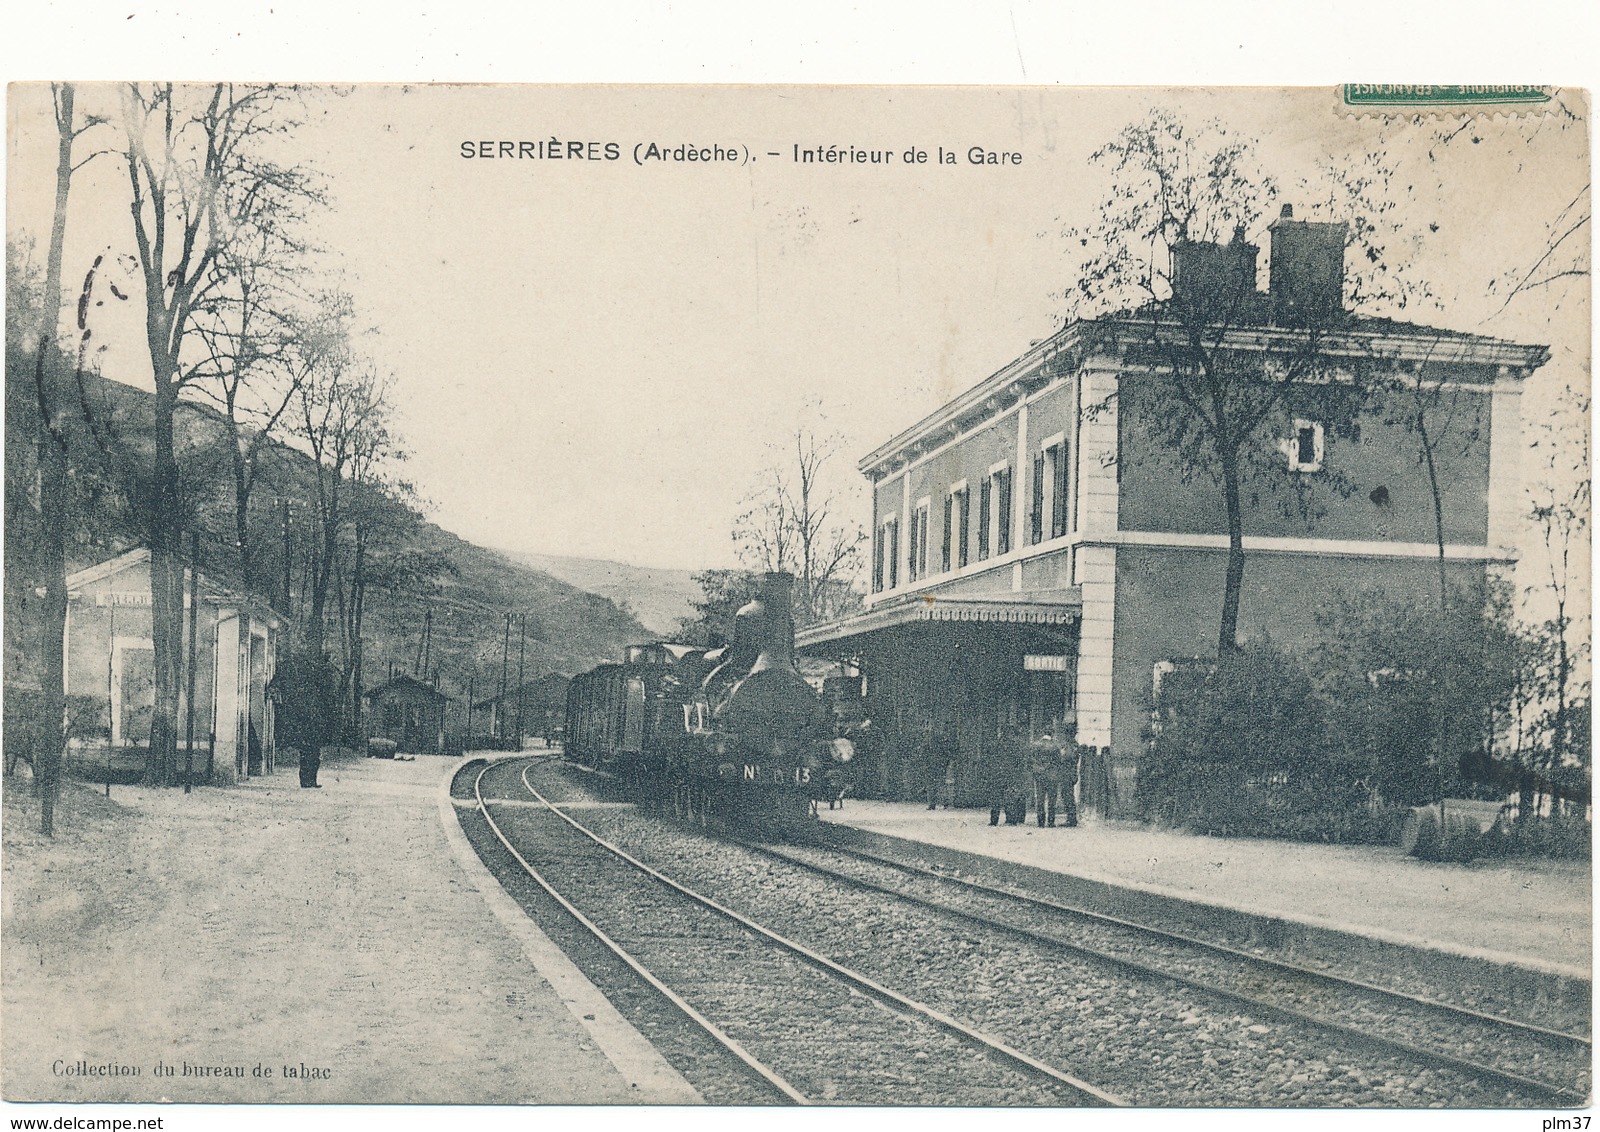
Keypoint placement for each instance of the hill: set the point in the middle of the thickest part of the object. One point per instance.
(422, 576)
(658, 598)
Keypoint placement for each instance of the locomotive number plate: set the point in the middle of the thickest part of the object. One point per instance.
(778, 776)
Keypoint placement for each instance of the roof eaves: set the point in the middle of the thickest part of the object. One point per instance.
(996, 384)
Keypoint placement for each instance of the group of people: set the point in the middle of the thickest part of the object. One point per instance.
(1045, 768)
(1017, 774)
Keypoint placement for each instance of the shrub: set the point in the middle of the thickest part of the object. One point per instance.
(1246, 750)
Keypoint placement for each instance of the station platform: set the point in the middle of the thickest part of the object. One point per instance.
(267, 943)
(1530, 914)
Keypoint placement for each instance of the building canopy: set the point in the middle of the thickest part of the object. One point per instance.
(1020, 609)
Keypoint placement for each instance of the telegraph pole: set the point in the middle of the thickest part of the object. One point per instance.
(194, 627)
(522, 649)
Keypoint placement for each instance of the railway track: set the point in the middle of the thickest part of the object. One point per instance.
(1153, 1017)
(803, 1027)
(1474, 1043)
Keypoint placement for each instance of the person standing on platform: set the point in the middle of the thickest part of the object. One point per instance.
(310, 763)
(1071, 760)
(1006, 778)
(935, 758)
(1045, 762)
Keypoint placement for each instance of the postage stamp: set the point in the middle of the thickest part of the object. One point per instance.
(1446, 98)
(945, 596)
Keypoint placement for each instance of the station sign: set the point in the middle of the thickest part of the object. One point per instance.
(1035, 663)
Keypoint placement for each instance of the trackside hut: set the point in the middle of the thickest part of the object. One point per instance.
(1038, 554)
(110, 670)
(410, 712)
(536, 708)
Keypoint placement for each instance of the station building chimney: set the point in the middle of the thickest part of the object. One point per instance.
(1306, 270)
(1214, 281)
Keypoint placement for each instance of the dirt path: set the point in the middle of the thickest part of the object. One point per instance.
(235, 936)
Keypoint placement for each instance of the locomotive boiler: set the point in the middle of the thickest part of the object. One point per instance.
(734, 733)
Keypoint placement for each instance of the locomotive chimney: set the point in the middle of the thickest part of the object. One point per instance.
(776, 589)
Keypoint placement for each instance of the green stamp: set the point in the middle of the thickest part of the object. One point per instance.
(1466, 96)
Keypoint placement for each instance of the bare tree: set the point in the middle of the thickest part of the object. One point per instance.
(259, 347)
(1560, 509)
(1564, 254)
(790, 525)
(342, 417)
(55, 406)
(380, 512)
(200, 179)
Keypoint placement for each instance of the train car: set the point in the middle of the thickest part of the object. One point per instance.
(733, 734)
(620, 717)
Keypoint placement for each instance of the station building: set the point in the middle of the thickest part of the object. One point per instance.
(536, 708)
(1041, 552)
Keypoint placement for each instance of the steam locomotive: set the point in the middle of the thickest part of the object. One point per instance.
(733, 734)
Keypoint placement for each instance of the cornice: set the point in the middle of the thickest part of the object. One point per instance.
(1026, 374)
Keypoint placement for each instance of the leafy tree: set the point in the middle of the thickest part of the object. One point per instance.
(1243, 746)
(1420, 692)
(1191, 195)
(723, 592)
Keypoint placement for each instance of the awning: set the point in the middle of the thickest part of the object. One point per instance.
(1066, 609)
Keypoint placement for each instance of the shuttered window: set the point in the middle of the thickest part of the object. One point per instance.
(964, 526)
(1058, 503)
(949, 514)
(1002, 482)
(985, 492)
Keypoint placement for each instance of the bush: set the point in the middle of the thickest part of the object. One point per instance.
(1461, 838)
(1561, 837)
(1246, 750)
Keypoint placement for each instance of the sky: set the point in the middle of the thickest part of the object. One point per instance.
(601, 357)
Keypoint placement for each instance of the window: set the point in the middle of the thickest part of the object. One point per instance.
(1036, 512)
(956, 513)
(985, 516)
(1057, 456)
(944, 551)
(963, 525)
(917, 567)
(1048, 516)
(886, 556)
(1002, 509)
(1305, 447)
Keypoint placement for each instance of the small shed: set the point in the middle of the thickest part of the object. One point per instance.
(410, 712)
(110, 671)
(537, 708)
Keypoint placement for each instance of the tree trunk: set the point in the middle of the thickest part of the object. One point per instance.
(1228, 634)
(1438, 506)
(322, 573)
(166, 589)
(241, 508)
(358, 599)
(54, 489)
(53, 502)
(191, 662)
(1563, 674)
